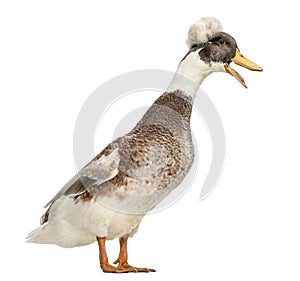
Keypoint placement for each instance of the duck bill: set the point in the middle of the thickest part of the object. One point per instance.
(235, 74)
(244, 62)
(239, 59)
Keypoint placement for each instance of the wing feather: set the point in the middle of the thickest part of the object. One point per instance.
(101, 169)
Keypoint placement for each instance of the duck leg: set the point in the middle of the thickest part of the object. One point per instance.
(106, 267)
(122, 259)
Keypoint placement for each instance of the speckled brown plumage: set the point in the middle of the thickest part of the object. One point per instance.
(154, 157)
(176, 101)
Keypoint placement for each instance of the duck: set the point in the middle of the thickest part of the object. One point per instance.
(108, 198)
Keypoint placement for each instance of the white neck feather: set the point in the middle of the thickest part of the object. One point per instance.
(190, 74)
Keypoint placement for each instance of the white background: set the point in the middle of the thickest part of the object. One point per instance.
(55, 53)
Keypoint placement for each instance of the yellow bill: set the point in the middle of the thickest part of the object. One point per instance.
(239, 59)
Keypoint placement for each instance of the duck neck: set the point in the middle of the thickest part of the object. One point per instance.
(189, 75)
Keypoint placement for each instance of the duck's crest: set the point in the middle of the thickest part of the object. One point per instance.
(202, 30)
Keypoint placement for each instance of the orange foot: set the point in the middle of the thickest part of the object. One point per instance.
(126, 266)
(112, 269)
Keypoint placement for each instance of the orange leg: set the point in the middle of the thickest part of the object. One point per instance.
(106, 267)
(122, 259)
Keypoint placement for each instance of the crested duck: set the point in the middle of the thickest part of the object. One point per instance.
(109, 197)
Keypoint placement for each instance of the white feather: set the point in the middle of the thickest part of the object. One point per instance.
(190, 74)
(73, 224)
(202, 30)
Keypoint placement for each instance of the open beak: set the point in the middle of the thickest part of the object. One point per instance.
(242, 61)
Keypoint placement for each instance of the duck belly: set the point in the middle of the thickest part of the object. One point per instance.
(74, 223)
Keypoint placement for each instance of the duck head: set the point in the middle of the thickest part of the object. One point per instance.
(213, 50)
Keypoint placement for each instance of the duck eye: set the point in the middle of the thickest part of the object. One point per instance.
(221, 41)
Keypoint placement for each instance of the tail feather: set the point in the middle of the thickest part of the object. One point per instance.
(37, 236)
(69, 238)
